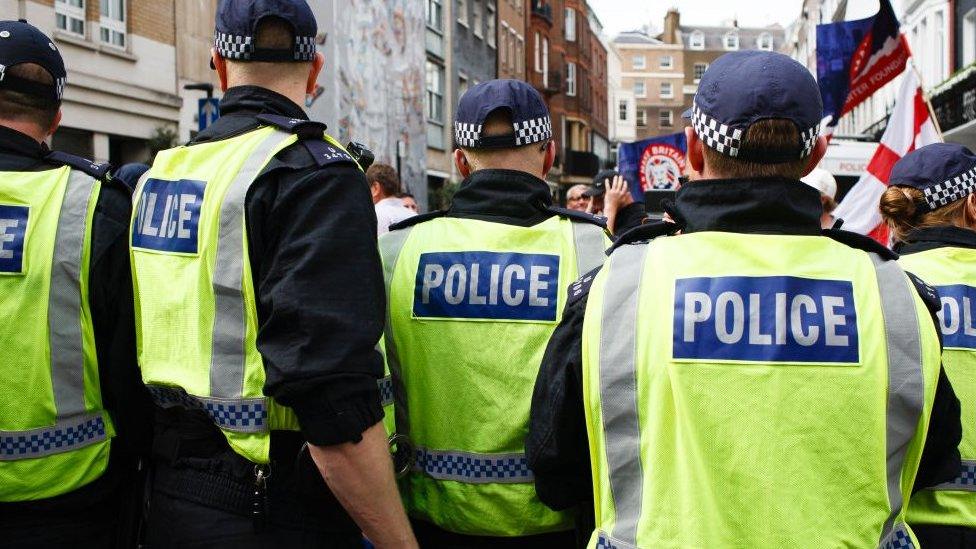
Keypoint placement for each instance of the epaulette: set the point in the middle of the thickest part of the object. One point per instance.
(644, 233)
(311, 135)
(577, 290)
(95, 169)
(417, 219)
(861, 242)
(575, 215)
(929, 294)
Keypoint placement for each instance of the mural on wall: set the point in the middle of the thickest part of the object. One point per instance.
(372, 87)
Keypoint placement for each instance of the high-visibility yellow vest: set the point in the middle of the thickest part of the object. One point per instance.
(471, 307)
(196, 317)
(54, 433)
(755, 391)
(953, 272)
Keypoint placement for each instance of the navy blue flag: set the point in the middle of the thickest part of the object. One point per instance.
(653, 164)
(856, 58)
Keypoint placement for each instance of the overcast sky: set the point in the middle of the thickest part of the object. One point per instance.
(622, 15)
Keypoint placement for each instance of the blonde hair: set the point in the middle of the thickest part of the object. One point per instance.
(900, 210)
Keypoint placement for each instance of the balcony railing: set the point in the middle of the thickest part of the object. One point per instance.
(581, 164)
(954, 100)
(543, 10)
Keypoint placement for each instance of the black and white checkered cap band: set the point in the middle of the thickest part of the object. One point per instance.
(949, 191)
(241, 48)
(728, 140)
(527, 132)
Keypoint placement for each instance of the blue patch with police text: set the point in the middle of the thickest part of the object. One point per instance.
(168, 215)
(765, 319)
(956, 317)
(487, 285)
(13, 233)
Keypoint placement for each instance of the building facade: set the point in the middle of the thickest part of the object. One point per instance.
(121, 100)
(954, 100)
(622, 123)
(653, 72)
(511, 39)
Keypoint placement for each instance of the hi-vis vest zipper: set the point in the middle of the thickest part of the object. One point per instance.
(54, 433)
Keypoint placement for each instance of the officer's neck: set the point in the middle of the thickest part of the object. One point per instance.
(27, 128)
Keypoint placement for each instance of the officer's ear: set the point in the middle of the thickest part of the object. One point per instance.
(696, 157)
(313, 76)
(461, 161)
(550, 158)
(219, 65)
(54, 124)
(817, 155)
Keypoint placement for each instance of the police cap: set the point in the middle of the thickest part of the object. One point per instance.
(944, 172)
(530, 116)
(237, 21)
(745, 87)
(21, 42)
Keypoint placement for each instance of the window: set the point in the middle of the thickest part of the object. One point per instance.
(666, 118)
(641, 118)
(764, 42)
(490, 22)
(503, 52)
(545, 62)
(667, 90)
(461, 7)
(571, 79)
(570, 25)
(435, 16)
(697, 41)
(476, 18)
(435, 105)
(969, 38)
(538, 53)
(640, 62)
(69, 16)
(112, 22)
(731, 41)
(940, 60)
(462, 84)
(519, 54)
(700, 69)
(666, 62)
(622, 110)
(640, 90)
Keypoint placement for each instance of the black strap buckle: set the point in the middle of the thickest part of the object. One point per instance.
(402, 451)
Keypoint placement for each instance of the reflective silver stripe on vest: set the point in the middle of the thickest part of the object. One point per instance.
(64, 301)
(590, 247)
(604, 541)
(618, 388)
(897, 539)
(390, 246)
(66, 435)
(230, 320)
(241, 415)
(906, 387)
(472, 468)
(965, 482)
(386, 390)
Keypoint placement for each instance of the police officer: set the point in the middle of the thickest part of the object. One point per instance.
(259, 300)
(75, 417)
(931, 209)
(751, 382)
(474, 293)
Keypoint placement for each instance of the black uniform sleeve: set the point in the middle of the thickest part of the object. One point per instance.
(113, 318)
(629, 217)
(556, 447)
(320, 295)
(940, 455)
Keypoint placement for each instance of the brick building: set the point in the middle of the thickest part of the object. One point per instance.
(511, 39)
(567, 62)
(121, 60)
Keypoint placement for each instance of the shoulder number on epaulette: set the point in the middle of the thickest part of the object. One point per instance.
(582, 285)
(326, 153)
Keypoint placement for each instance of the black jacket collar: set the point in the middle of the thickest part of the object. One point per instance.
(14, 142)
(503, 196)
(764, 206)
(240, 105)
(931, 238)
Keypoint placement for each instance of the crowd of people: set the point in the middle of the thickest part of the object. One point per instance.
(260, 342)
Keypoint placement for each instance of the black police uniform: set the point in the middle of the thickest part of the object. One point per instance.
(320, 306)
(557, 447)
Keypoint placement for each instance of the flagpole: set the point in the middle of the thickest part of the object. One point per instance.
(925, 97)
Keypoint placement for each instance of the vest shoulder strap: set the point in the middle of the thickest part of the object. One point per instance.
(645, 233)
(311, 135)
(97, 170)
(578, 217)
(417, 219)
(581, 288)
(929, 294)
(860, 242)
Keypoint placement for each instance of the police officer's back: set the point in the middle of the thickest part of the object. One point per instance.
(931, 209)
(74, 416)
(474, 293)
(259, 302)
(750, 382)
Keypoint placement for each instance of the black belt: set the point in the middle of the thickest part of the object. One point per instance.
(211, 488)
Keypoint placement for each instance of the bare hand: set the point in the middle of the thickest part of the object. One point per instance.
(618, 197)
